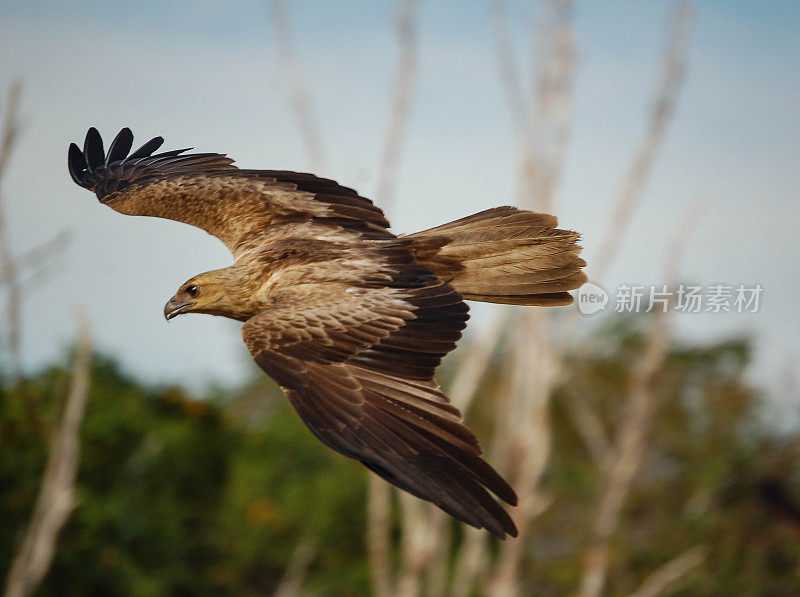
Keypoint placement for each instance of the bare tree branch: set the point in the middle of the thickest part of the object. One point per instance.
(8, 269)
(401, 105)
(11, 125)
(34, 266)
(295, 573)
(438, 568)
(672, 571)
(415, 540)
(38, 255)
(632, 435)
(301, 99)
(476, 360)
(472, 562)
(589, 426)
(549, 119)
(537, 368)
(663, 108)
(57, 495)
(379, 546)
(507, 64)
(628, 457)
(526, 436)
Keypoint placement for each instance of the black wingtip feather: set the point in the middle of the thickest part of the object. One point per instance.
(147, 149)
(84, 164)
(77, 164)
(93, 149)
(110, 173)
(120, 146)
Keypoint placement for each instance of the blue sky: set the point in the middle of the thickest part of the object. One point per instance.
(205, 74)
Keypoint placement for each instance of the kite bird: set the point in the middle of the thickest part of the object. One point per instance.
(350, 319)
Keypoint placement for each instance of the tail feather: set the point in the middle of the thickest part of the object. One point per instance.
(546, 259)
(504, 255)
(497, 216)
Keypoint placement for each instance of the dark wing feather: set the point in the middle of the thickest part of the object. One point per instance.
(93, 150)
(147, 149)
(206, 190)
(358, 368)
(120, 146)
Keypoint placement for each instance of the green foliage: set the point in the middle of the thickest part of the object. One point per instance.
(198, 497)
(702, 481)
(174, 497)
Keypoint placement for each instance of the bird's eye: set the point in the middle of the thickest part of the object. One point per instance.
(192, 290)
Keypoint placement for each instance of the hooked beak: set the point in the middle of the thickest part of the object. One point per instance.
(175, 307)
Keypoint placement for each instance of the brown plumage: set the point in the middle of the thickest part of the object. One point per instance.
(348, 318)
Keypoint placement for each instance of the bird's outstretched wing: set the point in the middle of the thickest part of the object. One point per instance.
(206, 190)
(357, 364)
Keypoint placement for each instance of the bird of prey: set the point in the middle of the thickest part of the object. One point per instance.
(350, 319)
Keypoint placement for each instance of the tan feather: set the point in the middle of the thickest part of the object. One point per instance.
(349, 319)
(504, 255)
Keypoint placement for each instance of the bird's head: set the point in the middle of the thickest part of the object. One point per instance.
(215, 293)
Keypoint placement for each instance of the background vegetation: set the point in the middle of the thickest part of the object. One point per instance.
(181, 494)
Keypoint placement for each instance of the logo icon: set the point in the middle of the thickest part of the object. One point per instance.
(591, 299)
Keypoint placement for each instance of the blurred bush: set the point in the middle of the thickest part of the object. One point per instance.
(176, 498)
(192, 497)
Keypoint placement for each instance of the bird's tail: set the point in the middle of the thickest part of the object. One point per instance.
(504, 255)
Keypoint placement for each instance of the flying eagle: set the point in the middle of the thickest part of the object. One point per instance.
(350, 319)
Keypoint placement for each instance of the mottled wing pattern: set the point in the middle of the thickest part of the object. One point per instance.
(206, 190)
(356, 360)
(357, 365)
